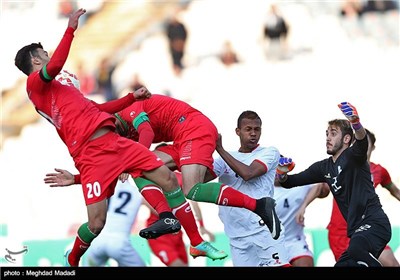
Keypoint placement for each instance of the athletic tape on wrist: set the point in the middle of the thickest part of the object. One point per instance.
(356, 126)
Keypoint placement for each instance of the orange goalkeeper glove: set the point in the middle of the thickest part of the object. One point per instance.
(285, 165)
(351, 114)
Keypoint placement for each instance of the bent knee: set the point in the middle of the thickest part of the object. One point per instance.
(96, 225)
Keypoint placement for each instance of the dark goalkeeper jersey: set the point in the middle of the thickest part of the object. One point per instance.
(350, 181)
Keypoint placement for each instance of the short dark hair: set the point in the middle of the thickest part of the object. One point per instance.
(345, 127)
(248, 115)
(371, 136)
(23, 57)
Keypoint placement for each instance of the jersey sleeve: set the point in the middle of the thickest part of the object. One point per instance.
(386, 180)
(142, 124)
(270, 158)
(146, 134)
(311, 175)
(114, 106)
(59, 57)
(359, 150)
(77, 178)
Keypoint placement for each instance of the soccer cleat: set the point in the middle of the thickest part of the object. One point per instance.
(66, 262)
(161, 227)
(266, 210)
(205, 249)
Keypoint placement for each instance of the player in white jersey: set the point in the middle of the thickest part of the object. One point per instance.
(250, 170)
(114, 241)
(288, 202)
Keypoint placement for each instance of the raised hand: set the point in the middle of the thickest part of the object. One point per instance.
(351, 114)
(74, 18)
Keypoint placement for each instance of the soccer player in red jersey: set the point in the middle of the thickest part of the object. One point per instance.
(88, 131)
(194, 136)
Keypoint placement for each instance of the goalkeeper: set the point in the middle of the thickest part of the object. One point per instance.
(348, 175)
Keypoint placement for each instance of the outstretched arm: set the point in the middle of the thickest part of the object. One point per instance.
(60, 54)
(114, 106)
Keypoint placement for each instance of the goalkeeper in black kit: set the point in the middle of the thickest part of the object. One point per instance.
(348, 175)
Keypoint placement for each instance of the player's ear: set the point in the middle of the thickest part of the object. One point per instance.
(237, 131)
(347, 139)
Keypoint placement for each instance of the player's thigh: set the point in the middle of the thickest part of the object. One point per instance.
(169, 155)
(163, 177)
(193, 174)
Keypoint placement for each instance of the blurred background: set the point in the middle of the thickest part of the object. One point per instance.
(224, 63)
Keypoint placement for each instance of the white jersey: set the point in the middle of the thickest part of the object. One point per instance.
(122, 210)
(114, 240)
(288, 202)
(250, 243)
(239, 222)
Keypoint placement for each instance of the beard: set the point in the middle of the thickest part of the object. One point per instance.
(337, 147)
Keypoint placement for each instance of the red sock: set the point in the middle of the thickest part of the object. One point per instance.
(185, 216)
(155, 197)
(77, 251)
(228, 196)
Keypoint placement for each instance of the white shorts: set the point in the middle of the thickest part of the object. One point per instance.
(259, 249)
(298, 248)
(118, 248)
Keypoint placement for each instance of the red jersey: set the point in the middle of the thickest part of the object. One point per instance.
(164, 119)
(165, 115)
(380, 176)
(75, 117)
(100, 160)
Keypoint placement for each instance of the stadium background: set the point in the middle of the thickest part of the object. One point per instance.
(295, 98)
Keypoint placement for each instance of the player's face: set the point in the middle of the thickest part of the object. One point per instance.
(43, 56)
(334, 140)
(249, 134)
